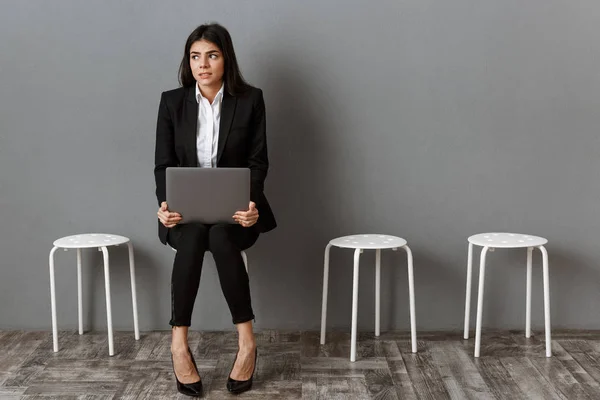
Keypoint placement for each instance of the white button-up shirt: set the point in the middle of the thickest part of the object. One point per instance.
(207, 137)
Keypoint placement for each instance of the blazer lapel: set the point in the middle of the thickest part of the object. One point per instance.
(190, 123)
(227, 112)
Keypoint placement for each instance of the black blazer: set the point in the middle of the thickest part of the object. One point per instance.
(242, 143)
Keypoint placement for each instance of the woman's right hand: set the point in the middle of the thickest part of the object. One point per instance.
(167, 218)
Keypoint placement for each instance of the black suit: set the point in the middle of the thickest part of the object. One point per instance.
(242, 143)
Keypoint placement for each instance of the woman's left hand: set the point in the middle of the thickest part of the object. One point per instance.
(247, 218)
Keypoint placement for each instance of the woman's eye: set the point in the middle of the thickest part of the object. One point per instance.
(213, 56)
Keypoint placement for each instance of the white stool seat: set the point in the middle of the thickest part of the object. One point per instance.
(368, 242)
(497, 240)
(507, 240)
(89, 240)
(100, 241)
(362, 242)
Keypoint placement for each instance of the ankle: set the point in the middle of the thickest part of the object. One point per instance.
(247, 344)
(179, 348)
(179, 342)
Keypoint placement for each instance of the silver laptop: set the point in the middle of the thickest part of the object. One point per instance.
(208, 195)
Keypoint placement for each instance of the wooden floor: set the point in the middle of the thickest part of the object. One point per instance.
(292, 365)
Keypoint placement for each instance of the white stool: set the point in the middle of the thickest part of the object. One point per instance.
(101, 241)
(377, 243)
(491, 241)
(244, 257)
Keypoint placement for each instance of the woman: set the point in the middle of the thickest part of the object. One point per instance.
(214, 120)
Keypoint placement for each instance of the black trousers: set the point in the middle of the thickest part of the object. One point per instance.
(225, 242)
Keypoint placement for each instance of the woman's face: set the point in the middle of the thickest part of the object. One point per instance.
(207, 64)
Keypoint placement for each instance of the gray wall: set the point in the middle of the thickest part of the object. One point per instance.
(431, 120)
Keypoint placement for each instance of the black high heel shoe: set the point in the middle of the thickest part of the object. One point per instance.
(237, 387)
(193, 389)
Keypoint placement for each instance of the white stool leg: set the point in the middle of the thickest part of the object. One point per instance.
(528, 298)
(480, 300)
(79, 293)
(53, 300)
(325, 287)
(468, 291)
(111, 350)
(136, 326)
(411, 291)
(354, 305)
(377, 291)
(546, 301)
(245, 258)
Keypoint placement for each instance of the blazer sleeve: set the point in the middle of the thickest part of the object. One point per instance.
(258, 160)
(164, 154)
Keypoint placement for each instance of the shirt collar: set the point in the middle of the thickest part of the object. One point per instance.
(218, 97)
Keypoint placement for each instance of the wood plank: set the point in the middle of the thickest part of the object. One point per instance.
(22, 377)
(584, 353)
(309, 387)
(424, 375)
(559, 378)
(401, 380)
(207, 347)
(72, 345)
(575, 334)
(148, 343)
(17, 346)
(161, 386)
(460, 375)
(340, 367)
(84, 370)
(369, 348)
(278, 367)
(588, 383)
(527, 377)
(73, 388)
(139, 385)
(577, 346)
(276, 390)
(337, 344)
(33, 365)
(498, 379)
(441, 361)
(42, 396)
(11, 392)
(497, 344)
(380, 384)
(126, 347)
(336, 388)
(535, 346)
